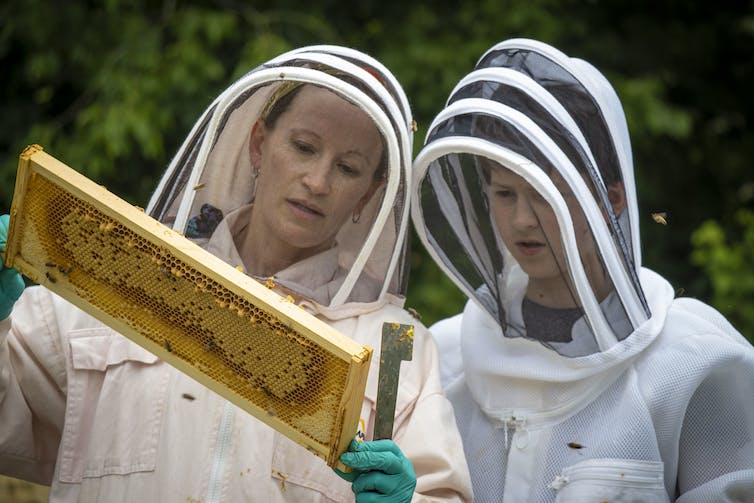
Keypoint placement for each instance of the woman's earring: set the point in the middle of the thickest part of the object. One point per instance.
(355, 217)
(254, 176)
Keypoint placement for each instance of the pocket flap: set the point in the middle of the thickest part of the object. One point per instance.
(101, 348)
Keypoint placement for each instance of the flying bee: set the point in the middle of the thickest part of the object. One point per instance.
(660, 217)
(414, 126)
(198, 186)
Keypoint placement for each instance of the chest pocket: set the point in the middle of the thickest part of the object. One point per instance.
(293, 465)
(114, 409)
(613, 480)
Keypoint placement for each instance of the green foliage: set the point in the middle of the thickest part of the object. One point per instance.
(730, 266)
(113, 87)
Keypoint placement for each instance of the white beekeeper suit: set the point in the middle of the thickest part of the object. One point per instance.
(620, 392)
(98, 418)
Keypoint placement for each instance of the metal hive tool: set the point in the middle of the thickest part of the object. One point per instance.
(199, 314)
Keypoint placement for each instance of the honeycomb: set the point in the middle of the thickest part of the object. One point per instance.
(199, 314)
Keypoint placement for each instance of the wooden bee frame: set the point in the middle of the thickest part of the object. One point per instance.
(197, 313)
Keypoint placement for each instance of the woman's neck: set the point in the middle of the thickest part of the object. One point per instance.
(267, 257)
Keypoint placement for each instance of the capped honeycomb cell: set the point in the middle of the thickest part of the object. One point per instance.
(203, 316)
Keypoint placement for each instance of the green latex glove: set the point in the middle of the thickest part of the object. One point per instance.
(11, 283)
(381, 473)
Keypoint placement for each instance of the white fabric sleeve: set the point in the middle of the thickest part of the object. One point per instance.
(447, 336)
(32, 389)
(716, 448)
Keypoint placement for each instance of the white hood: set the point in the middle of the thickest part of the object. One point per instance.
(211, 175)
(555, 124)
(532, 128)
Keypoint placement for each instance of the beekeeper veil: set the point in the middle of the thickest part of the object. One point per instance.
(524, 195)
(211, 176)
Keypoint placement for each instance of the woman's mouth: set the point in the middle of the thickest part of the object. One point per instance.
(305, 209)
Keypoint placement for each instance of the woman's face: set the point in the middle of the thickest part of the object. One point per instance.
(316, 168)
(529, 229)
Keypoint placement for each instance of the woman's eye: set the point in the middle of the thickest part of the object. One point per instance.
(348, 169)
(303, 147)
(503, 193)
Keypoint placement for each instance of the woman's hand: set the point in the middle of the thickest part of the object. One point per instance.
(381, 473)
(11, 283)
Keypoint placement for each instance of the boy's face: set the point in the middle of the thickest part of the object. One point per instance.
(528, 227)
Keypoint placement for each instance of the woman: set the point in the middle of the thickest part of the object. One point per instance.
(296, 174)
(578, 377)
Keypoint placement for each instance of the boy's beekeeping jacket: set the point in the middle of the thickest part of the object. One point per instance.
(632, 395)
(100, 419)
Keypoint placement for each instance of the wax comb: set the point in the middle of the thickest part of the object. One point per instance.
(232, 334)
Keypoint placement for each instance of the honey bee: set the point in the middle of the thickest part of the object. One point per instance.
(50, 278)
(414, 126)
(575, 445)
(167, 346)
(189, 397)
(165, 272)
(660, 217)
(51, 264)
(198, 186)
(65, 271)
(413, 312)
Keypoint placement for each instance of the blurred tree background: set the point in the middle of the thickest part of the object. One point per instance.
(112, 86)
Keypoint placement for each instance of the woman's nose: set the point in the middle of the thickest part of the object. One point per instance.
(317, 177)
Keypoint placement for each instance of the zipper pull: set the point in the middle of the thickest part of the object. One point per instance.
(516, 424)
(523, 439)
(559, 482)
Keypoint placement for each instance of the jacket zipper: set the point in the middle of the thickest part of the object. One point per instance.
(214, 485)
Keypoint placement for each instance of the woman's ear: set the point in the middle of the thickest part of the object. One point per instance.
(375, 185)
(256, 138)
(616, 194)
